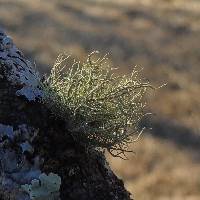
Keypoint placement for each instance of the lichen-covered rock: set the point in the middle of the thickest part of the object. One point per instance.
(33, 141)
(19, 164)
(18, 70)
(15, 168)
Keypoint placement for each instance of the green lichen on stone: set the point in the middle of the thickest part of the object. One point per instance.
(46, 188)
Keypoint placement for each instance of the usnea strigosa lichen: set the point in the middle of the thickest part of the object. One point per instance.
(101, 109)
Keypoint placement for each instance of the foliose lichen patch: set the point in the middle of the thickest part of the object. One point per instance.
(46, 188)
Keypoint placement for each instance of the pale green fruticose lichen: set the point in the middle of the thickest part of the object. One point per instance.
(101, 109)
(46, 188)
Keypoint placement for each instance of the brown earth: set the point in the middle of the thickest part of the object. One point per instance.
(163, 36)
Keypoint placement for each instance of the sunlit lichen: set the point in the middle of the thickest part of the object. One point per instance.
(100, 108)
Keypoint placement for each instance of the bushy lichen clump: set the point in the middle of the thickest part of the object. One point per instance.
(102, 109)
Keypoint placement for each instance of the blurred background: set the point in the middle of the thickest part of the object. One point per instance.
(163, 37)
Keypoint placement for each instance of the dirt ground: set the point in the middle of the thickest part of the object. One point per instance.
(163, 37)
